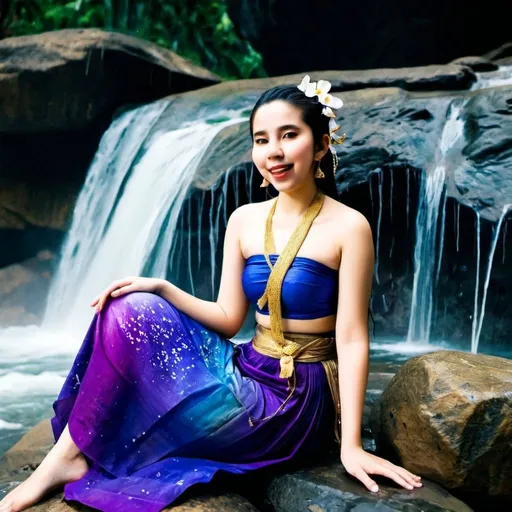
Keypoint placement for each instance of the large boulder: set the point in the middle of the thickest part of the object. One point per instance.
(67, 79)
(329, 488)
(296, 35)
(447, 415)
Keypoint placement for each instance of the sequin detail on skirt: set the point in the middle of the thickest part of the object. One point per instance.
(158, 403)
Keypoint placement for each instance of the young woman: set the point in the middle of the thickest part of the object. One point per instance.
(159, 399)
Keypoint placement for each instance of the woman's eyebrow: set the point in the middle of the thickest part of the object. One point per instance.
(280, 129)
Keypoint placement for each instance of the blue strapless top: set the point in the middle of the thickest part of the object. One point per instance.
(310, 288)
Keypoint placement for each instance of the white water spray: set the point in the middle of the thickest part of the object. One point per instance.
(478, 319)
(431, 192)
(124, 209)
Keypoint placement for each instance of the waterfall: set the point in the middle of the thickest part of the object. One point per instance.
(127, 210)
(478, 319)
(477, 280)
(379, 219)
(427, 240)
(500, 77)
(119, 147)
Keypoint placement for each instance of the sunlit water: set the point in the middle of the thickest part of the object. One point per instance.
(33, 364)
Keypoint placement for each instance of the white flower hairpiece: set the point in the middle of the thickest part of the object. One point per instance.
(321, 89)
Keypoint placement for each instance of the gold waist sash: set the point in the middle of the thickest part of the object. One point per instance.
(303, 348)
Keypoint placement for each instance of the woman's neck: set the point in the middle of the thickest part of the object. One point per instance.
(295, 203)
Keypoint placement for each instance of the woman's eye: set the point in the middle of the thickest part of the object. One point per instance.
(290, 135)
(259, 141)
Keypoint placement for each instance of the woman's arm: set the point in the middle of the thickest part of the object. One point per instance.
(225, 316)
(352, 341)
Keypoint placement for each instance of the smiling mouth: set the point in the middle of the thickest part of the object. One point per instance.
(281, 170)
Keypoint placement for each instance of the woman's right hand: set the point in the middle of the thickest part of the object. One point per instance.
(127, 285)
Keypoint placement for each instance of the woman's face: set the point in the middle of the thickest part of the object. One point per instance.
(283, 147)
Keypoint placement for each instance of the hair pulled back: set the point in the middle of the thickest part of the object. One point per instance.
(312, 115)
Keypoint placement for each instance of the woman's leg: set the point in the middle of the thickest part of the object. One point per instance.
(63, 464)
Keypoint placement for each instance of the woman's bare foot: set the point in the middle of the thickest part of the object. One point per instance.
(55, 471)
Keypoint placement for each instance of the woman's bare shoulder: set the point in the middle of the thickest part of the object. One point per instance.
(249, 210)
(346, 221)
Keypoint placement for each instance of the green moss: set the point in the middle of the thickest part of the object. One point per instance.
(200, 31)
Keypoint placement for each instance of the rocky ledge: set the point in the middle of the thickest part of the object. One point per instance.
(447, 415)
(66, 79)
(324, 487)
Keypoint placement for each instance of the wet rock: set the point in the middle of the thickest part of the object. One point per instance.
(503, 51)
(424, 78)
(488, 150)
(67, 79)
(476, 63)
(447, 415)
(330, 489)
(24, 206)
(24, 457)
(224, 503)
(505, 61)
(394, 140)
(24, 289)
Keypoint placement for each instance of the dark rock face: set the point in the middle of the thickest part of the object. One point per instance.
(447, 77)
(24, 288)
(447, 415)
(295, 35)
(488, 150)
(67, 79)
(58, 93)
(477, 63)
(330, 489)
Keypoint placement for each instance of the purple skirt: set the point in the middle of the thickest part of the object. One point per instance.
(157, 402)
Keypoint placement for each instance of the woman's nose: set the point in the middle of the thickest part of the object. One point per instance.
(274, 149)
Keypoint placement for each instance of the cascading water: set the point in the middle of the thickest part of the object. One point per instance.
(130, 198)
(118, 149)
(429, 244)
(427, 240)
(478, 317)
(124, 220)
(502, 76)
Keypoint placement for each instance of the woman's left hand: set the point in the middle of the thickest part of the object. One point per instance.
(360, 464)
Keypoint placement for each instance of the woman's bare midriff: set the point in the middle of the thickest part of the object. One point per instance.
(317, 325)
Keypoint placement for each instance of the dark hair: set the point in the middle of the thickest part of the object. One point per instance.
(312, 115)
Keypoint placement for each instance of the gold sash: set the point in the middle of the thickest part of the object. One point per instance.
(302, 347)
(272, 293)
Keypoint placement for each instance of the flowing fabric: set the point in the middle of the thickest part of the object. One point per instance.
(157, 403)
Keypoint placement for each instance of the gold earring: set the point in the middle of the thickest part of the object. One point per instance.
(264, 183)
(319, 173)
